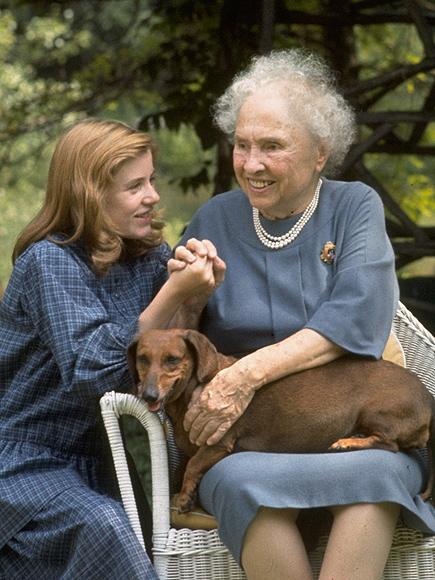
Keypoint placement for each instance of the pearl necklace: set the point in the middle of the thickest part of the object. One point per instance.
(275, 242)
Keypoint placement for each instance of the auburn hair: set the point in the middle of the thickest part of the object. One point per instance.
(84, 162)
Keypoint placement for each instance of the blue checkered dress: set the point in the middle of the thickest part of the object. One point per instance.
(63, 337)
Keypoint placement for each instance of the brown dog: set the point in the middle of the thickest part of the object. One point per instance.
(350, 403)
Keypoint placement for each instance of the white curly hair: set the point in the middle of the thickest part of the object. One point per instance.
(309, 86)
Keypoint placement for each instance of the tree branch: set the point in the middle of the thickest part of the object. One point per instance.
(391, 79)
(364, 146)
(394, 117)
(409, 226)
(422, 25)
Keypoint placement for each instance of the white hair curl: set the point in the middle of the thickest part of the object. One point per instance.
(309, 86)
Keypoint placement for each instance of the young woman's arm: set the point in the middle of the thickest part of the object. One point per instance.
(189, 312)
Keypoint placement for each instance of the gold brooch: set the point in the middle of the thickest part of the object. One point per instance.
(327, 254)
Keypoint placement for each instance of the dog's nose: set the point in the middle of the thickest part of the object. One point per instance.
(150, 395)
(149, 398)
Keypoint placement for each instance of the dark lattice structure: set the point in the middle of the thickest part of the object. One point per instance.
(337, 19)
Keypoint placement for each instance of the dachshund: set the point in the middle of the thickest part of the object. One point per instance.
(350, 403)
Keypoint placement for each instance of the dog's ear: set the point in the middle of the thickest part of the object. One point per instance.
(207, 357)
(131, 360)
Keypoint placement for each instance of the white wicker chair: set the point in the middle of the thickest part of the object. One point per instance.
(186, 554)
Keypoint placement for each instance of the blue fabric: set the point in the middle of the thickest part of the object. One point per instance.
(63, 528)
(269, 294)
(63, 337)
(237, 486)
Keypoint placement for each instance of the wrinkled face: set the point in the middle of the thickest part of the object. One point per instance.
(131, 197)
(163, 364)
(276, 161)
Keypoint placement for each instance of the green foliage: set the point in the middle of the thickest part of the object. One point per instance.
(409, 177)
(21, 196)
(161, 65)
(182, 154)
(382, 47)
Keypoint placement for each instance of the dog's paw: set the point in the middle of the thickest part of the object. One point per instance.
(185, 502)
(357, 442)
(345, 444)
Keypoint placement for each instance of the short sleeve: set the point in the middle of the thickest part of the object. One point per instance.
(363, 297)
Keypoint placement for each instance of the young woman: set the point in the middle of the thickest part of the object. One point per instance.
(90, 271)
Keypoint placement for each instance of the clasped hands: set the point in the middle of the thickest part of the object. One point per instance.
(199, 258)
(216, 407)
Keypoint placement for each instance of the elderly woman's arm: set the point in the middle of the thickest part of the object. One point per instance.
(228, 395)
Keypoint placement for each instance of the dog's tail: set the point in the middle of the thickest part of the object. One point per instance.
(429, 492)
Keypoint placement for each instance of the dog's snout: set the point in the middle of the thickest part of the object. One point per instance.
(150, 395)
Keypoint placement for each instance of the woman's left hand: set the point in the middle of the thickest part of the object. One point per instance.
(222, 401)
(193, 249)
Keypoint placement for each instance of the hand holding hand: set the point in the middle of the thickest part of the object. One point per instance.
(185, 255)
(194, 278)
(222, 401)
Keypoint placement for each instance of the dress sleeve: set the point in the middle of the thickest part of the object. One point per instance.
(160, 274)
(358, 313)
(74, 323)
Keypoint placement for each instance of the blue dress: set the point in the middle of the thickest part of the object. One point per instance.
(267, 295)
(63, 337)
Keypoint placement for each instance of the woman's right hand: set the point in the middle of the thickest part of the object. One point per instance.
(181, 299)
(216, 407)
(198, 250)
(195, 278)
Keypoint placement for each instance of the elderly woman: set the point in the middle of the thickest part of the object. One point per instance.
(310, 276)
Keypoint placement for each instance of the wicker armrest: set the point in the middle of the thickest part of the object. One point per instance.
(418, 345)
(113, 405)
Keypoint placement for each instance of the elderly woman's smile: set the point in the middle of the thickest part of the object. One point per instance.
(276, 162)
(256, 184)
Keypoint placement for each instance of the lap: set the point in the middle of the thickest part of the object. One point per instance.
(235, 488)
(320, 473)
